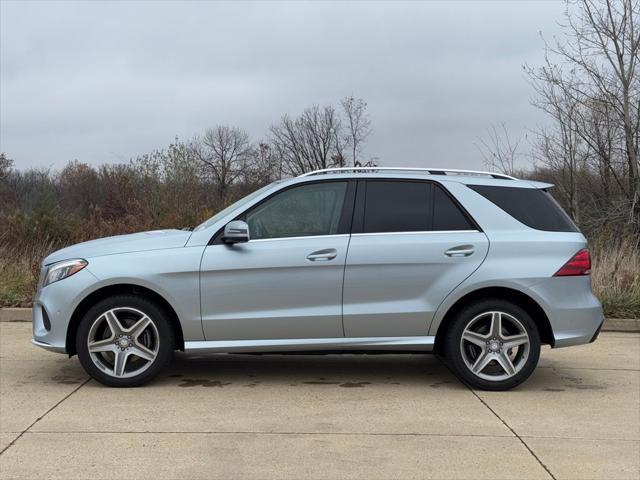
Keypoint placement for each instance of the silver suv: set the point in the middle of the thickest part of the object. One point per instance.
(479, 267)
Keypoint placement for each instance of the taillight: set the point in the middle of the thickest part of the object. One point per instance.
(580, 264)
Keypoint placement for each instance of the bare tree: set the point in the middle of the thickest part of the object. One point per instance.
(5, 165)
(607, 52)
(308, 142)
(263, 168)
(592, 92)
(499, 152)
(224, 153)
(560, 147)
(358, 126)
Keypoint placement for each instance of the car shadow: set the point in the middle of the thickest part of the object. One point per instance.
(343, 370)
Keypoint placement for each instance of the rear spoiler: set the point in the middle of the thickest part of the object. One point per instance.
(540, 185)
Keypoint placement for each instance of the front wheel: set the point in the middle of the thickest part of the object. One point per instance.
(124, 341)
(493, 345)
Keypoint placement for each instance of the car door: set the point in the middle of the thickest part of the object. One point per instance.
(411, 245)
(286, 282)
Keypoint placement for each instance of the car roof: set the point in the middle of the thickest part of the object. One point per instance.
(466, 177)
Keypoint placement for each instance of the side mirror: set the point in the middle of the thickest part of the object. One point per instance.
(236, 232)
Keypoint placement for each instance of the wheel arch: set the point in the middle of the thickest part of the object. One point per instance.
(521, 299)
(118, 289)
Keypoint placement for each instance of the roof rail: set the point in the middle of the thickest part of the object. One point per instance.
(431, 171)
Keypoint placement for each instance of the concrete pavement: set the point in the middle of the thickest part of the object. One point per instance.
(384, 416)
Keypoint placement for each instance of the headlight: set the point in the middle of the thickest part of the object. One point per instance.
(64, 269)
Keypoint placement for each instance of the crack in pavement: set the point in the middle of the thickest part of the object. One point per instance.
(515, 433)
(44, 415)
(505, 424)
(380, 434)
(243, 432)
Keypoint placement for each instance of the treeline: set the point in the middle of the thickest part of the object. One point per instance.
(44, 210)
(177, 186)
(589, 89)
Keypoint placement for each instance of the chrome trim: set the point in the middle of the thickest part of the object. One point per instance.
(409, 169)
(48, 347)
(301, 344)
(413, 233)
(298, 238)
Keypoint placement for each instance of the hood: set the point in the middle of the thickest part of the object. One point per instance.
(135, 242)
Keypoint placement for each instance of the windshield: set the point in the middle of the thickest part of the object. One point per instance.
(224, 212)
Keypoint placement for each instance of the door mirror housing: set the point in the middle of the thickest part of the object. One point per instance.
(236, 232)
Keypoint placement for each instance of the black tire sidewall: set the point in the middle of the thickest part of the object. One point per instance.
(159, 318)
(454, 334)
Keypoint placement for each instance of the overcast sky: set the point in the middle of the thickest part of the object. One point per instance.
(103, 82)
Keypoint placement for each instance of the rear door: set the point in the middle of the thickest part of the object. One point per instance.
(411, 245)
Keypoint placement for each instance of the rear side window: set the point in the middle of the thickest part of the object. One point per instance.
(397, 207)
(405, 206)
(533, 207)
(446, 214)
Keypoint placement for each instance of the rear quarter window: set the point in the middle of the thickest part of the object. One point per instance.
(531, 206)
(447, 216)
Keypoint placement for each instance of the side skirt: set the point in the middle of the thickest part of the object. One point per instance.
(395, 344)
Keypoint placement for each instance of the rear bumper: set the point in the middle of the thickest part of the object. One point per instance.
(574, 312)
(586, 334)
(595, 335)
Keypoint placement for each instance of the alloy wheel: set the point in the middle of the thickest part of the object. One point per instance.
(495, 346)
(123, 342)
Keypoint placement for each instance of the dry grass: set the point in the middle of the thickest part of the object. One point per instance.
(616, 277)
(19, 269)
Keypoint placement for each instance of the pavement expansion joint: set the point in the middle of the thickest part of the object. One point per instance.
(51, 409)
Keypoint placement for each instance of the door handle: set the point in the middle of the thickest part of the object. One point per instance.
(460, 251)
(323, 255)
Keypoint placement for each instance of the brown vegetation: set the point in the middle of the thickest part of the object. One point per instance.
(589, 87)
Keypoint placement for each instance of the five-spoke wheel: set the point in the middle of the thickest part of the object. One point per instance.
(493, 345)
(124, 340)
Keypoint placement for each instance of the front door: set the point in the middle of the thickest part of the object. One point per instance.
(286, 282)
(411, 246)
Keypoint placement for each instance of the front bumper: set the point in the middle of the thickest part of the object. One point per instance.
(48, 347)
(53, 307)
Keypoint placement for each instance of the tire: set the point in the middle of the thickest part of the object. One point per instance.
(481, 357)
(131, 341)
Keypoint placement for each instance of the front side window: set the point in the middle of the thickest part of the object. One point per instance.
(306, 210)
(234, 206)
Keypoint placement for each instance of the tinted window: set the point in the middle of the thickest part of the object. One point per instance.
(535, 208)
(312, 209)
(397, 207)
(447, 215)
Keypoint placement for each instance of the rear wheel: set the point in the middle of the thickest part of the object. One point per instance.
(493, 345)
(124, 341)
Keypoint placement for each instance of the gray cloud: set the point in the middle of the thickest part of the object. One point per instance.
(105, 81)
